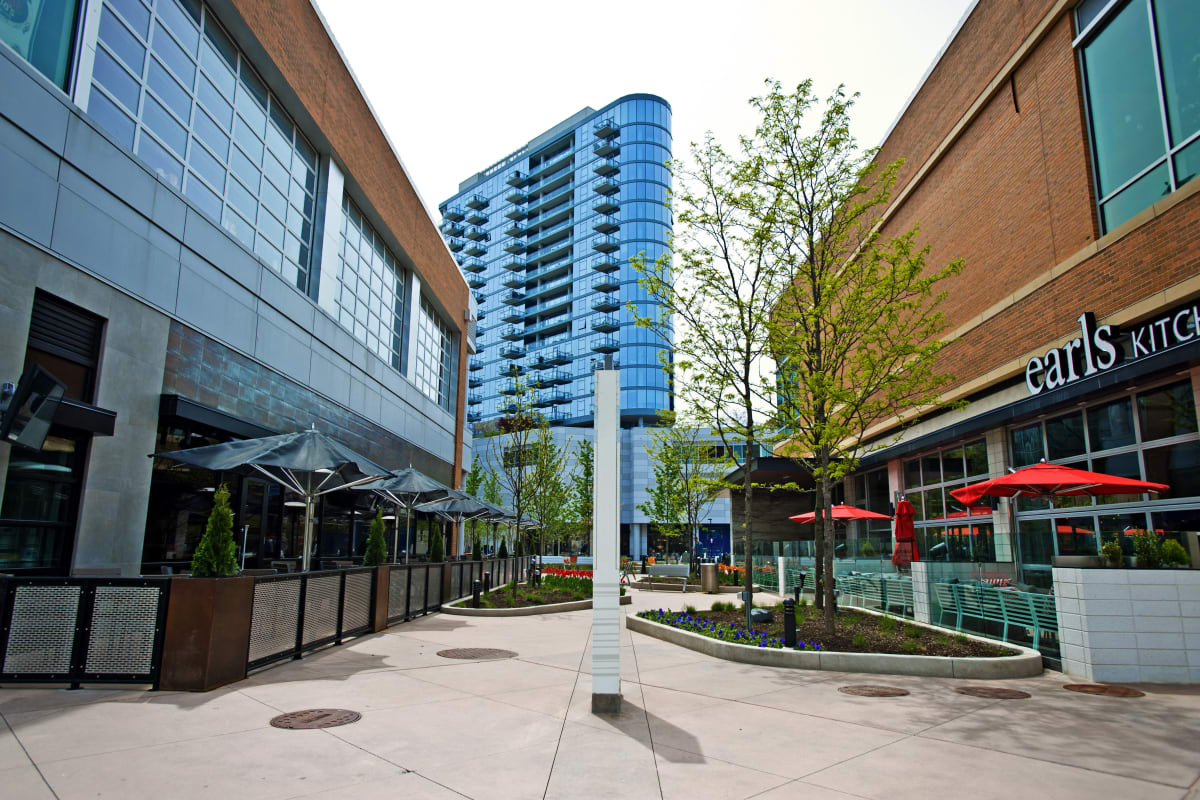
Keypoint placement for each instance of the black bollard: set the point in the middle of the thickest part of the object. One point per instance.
(475, 586)
(789, 623)
(799, 587)
(487, 582)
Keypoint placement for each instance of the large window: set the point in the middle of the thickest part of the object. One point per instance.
(370, 294)
(1141, 66)
(435, 373)
(170, 85)
(946, 530)
(43, 33)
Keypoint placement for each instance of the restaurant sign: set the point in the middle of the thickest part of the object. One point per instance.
(1101, 347)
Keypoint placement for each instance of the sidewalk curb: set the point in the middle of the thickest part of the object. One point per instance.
(554, 608)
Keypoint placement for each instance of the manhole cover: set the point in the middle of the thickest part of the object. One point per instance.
(476, 652)
(993, 693)
(873, 691)
(1101, 689)
(315, 718)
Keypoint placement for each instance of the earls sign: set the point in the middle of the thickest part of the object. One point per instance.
(1102, 347)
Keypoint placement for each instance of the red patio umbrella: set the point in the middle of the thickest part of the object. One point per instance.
(840, 512)
(906, 535)
(1053, 480)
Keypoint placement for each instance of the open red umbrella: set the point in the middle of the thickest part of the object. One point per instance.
(906, 535)
(1053, 480)
(840, 512)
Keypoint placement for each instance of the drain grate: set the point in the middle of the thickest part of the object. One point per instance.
(873, 691)
(476, 652)
(315, 718)
(993, 693)
(1101, 689)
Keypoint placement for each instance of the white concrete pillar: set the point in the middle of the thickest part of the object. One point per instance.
(1002, 527)
(781, 566)
(606, 538)
(920, 587)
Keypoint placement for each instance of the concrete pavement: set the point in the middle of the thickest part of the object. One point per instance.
(693, 727)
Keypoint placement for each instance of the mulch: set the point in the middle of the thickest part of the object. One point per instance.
(502, 598)
(810, 627)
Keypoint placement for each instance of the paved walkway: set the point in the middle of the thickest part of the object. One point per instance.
(693, 727)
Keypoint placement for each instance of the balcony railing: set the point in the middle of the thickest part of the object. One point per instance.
(606, 244)
(605, 303)
(607, 166)
(559, 356)
(607, 324)
(606, 128)
(517, 196)
(455, 245)
(477, 201)
(606, 205)
(514, 247)
(513, 298)
(477, 281)
(606, 224)
(515, 280)
(606, 283)
(474, 399)
(515, 178)
(605, 263)
(477, 218)
(606, 186)
(450, 228)
(606, 148)
(512, 334)
(513, 315)
(477, 234)
(453, 213)
(476, 249)
(474, 266)
(608, 344)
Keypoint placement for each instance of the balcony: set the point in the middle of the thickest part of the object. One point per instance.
(560, 377)
(452, 228)
(607, 166)
(477, 201)
(476, 218)
(608, 344)
(474, 366)
(561, 398)
(517, 197)
(543, 400)
(606, 148)
(606, 186)
(560, 357)
(513, 315)
(606, 205)
(481, 315)
(512, 334)
(474, 416)
(553, 202)
(608, 324)
(607, 283)
(605, 263)
(512, 370)
(515, 213)
(474, 266)
(512, 351)
(510, 388)
(477, 281)
(455, 245)
(516, 229)
(511, 407)
(606, 244)
(606, 303)
(513, 298)
(514, 280)
(474, 399)
(515, 178)
(606, 128)
(540, 381)
(480, 298)
(476, 249)
(514, 247)
(605, 224)
(540, 362)
(477, 234)
(452, 213)
(515, 266)
(474, 382)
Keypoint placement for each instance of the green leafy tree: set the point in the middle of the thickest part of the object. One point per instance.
(687, 479)
(583, 479)
(509, 446)
(216, 554)
(490, 488)
(472, 482)
(376, 553)
(856, 330)
(550, 502)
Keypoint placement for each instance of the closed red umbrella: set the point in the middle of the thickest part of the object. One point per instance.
(840, 512)
(1053, 480)
(906, 535)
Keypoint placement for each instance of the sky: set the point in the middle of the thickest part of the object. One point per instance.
(459, 84)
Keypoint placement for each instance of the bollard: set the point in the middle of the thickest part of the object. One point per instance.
(487, 582)
(789, 623)
(475, 584)
(799, 587)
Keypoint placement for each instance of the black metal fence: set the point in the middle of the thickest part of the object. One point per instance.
(295, 613)
(93, 630)
(413, 590)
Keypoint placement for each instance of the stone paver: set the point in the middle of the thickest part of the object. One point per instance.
(692, 727)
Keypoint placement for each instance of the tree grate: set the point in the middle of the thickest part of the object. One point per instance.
(873, 691)
(476, 652)
(1103, 690)
(993, 693)
(315, 718)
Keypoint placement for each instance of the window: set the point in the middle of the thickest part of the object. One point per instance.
(435, 373)
(959, 534)
(43, 33)
(370, 292)
(1142, 88)
(171, 86)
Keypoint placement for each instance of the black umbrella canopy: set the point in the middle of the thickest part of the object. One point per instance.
(409, 488)
(462, 508)
(308, 463)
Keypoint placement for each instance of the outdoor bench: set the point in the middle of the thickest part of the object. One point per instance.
(1034, 613)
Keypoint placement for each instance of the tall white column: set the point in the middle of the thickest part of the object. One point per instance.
(606, 539)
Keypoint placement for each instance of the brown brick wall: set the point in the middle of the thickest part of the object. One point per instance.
(296, 42)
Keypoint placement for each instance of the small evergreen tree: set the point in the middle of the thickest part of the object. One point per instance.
(376, 546)
(437, 552)
(503, 552)
(216, 555)
(477, 550)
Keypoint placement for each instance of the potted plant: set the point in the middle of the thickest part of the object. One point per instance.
(376, 553)
(1112, 554)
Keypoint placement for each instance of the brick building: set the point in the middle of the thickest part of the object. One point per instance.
(1051, 146)
(206, 234)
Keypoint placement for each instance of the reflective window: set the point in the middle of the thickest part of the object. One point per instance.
(371, 288)
(43, 33)
(1142, 76)
(166, 84)
(435, 374)
(928, 481)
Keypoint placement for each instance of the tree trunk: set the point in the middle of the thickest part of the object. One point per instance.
(818, 551)
(748, 537)
(827, 505)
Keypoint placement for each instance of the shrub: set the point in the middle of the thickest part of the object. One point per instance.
(477, 550)
(912, 631)
(1112, 553)
(859, 641)
(503, 551)
(1147, 550)
(911, 646)
(887, 624)
(436, 547)
(216, 554)
(376, 547)
(1173, 554)
(868, 550)
(689, 609)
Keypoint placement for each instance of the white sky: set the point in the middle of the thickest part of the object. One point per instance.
(459, 84)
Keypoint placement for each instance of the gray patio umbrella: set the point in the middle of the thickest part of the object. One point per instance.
(410, 489)
(308, 463)
(460, 509)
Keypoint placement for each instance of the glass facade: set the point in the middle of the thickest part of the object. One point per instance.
(370, 288)
(435, 371)
(169, 84)
(545, 238)
(1149, 435)
(1141, 67)
(43, 33)
(946, 530)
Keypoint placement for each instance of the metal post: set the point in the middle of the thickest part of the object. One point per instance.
(487, 581)
(476, 586)
(789, 623)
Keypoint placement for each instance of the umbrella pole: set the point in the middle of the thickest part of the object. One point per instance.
(407, 534)
(306, 562)
(396, 537)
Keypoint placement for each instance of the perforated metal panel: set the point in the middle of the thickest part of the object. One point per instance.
(435, 587)
(42, 631)
(416, 591)
(273, 624)
(357, 612)
(124, 626)
(455, 581)
(321, 608)
(397, 592)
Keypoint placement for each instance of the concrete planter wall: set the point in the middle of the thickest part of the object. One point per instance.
(1138, 625)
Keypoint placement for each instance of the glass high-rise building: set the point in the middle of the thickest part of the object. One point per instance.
(544, 238)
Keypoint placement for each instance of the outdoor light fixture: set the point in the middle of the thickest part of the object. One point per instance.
(294, 503)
